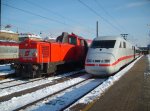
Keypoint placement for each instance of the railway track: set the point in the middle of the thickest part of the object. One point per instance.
(58, 92)
(17, 82)
(4, 84)
(66, 97)
(8, 80)
(60, 87)
(16, 90)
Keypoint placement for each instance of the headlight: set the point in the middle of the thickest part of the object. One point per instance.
(107, 61)
(89, 60)
(99, 61)
(20, 54)
(34, 54)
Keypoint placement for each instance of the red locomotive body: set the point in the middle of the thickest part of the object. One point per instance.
(41, 57)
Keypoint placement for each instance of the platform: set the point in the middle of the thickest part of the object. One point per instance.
(130, 93)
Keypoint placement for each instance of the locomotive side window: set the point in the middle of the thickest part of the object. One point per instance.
(103, 44)
(82, 42)
(124, 45)
(22, 38)
(120, 46)
(59, 39)
(72, 40)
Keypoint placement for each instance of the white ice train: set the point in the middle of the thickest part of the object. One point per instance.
(107, 54)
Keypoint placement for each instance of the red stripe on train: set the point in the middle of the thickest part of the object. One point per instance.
(116, 62)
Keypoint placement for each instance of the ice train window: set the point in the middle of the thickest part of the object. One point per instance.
(124, 45)
(120, 45)
(103, 44)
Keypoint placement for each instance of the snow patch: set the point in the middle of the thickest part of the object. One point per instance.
(3, 73)
(7, 91)
(8, 31)
(6, 69)
(63, 99)
(17, 102)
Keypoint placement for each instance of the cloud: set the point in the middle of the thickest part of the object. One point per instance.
(134, 5)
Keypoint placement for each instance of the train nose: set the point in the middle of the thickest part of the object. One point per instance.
(100, 64)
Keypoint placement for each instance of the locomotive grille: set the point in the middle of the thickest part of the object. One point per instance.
(45, 51)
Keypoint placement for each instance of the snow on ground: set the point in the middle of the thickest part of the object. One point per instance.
(2, 73)
(5, 67)
(7, 91)
(60, 101)
(17, 102)
(96, 93)
(6, 70)
(9, 79)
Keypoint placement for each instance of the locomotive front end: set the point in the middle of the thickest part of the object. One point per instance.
(100, 59)
(29, 59)
(100, 64)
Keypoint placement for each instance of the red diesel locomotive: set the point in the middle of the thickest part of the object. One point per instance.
(42, 57)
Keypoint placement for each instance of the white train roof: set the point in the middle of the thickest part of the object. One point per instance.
(29, 35)
(108, 38)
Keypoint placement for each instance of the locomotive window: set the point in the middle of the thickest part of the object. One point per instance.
(82, 42)
(103, 44)
(124, 45)
(59, 39)
(72, 40)
(22, 38)
(120, 45)
(132, 47)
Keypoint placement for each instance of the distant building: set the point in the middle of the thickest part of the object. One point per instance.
(8, 35)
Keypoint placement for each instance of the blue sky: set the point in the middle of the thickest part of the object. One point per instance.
(52, 17)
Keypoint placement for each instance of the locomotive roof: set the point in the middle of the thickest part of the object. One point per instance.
(108, 38)
(29, 35)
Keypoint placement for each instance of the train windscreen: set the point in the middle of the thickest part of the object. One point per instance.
(103, 44)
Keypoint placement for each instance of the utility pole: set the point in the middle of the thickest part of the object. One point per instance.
(97, 29)
(149, 30)
(124, 36)
(149, 39)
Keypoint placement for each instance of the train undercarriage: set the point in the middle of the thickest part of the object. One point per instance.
(31, 70)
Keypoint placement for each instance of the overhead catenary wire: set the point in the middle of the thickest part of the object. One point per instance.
(55, 13)
(96, 13)
(98, 3)
(31, 13)
(25, 11)
(50, 11)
